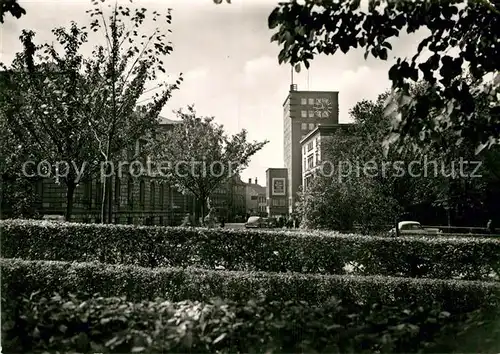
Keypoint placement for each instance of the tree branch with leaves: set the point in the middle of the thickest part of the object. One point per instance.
(43, 94)
(198, 156)
(123, 67)
(84, 109)
(305, 30)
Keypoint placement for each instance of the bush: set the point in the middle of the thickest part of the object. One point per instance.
(176, 284)
(272, 251)
(97, 324)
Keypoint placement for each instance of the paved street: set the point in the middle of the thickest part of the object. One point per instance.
(242, 226)
(235, 226)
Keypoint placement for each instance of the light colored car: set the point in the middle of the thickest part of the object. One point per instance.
(413, 228)
(255, 222)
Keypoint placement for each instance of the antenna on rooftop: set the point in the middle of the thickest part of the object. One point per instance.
(293, 87)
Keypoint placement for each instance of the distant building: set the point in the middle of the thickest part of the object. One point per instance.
(255, 198)
(144, 200)
(141, 200)
(277, 191)
(302, 112)
(313, 154)
(229, 199)
(219, 198)
(237, 202)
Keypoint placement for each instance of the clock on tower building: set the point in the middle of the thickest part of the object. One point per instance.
(302, 112)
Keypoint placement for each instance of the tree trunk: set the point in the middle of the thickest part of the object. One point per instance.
(105, 184)
(171, 204)
(70, 192)
(110, 200)
(103, 203)
(202, 201)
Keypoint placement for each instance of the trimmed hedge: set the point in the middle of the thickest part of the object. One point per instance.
(21, 278)
(242, 250)
(271, 251)
(96, 324)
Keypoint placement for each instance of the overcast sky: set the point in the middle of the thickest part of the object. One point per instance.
(229, 65)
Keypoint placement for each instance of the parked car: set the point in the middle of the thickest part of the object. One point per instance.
(271, 222)
(413, 228)
(255, 222)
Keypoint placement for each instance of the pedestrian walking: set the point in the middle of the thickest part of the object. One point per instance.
(222, 222)
(186, 222)
(490, 226)
(210, 219)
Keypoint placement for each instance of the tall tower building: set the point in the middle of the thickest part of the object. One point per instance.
(302, 112)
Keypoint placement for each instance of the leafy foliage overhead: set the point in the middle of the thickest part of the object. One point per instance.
(201, 155)
(62, 105)
(17, 11)
(442, 181)
(11, 6)
(343, 197)
(304, 30)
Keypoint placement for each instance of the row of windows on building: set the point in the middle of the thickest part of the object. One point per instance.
(235, 191)
(259, 198)
(279, 202)
(240, 189)
(311, 145)
(306, 126)
(304, 101)
(153, 191)
(311, 161)
(307, 182)
(220, 190)
(312, 114)
(92, 194)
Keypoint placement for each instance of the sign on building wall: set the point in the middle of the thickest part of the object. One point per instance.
(278, 186)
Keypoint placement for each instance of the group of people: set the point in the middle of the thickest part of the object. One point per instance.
(289, 223)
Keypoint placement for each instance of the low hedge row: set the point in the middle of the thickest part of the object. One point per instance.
(176, 284)
(82, 324)
(272, 251)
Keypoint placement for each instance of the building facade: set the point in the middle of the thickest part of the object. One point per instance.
(229, 199)
(238, 200)
(277, 192)
(256, 204)
(314, 158)
(143, 200)
(129, 200)
(303, 111)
